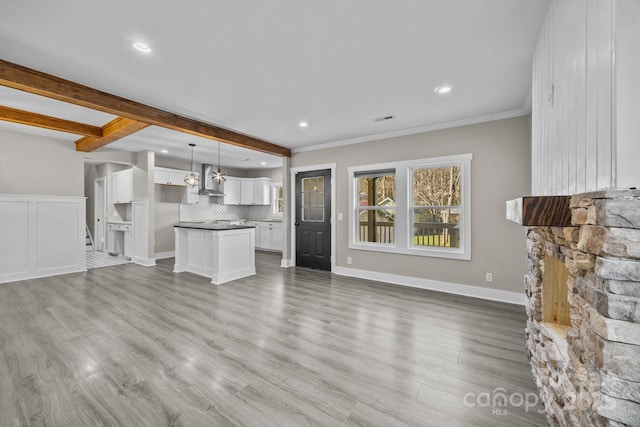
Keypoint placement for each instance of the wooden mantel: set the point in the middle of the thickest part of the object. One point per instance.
(550, 211)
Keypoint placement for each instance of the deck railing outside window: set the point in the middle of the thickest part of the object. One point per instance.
(425, 234)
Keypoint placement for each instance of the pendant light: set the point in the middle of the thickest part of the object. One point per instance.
(191, 180)
(219, 176)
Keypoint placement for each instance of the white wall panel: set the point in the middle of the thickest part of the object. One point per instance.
(578, 93)
(57, 231)
(627, 93)
(41, 236)
(14, 237)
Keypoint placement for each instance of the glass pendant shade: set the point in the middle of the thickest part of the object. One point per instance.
(191, 180)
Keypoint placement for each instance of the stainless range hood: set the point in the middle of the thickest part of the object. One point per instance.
(207, 186)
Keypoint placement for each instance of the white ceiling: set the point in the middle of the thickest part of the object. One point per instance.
(261, 67)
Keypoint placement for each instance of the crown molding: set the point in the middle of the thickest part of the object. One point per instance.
(429, 128)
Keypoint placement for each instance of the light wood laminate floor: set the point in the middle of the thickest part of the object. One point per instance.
(142, 346)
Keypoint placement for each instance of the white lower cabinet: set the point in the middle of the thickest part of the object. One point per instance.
(111, 239)
(269, 235)
(120, 239)
(128, 243)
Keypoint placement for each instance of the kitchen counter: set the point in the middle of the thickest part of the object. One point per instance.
(212, 226)
(266, 220)
(223, 252)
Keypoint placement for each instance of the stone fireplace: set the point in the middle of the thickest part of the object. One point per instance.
(583, 309)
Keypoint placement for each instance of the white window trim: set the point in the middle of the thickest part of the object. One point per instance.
(403, 235)
(274, 200)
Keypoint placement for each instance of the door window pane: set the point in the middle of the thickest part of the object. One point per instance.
(313, 199)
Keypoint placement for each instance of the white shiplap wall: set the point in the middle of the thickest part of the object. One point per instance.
(574, 126)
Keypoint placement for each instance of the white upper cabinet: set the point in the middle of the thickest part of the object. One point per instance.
(247, 191)
(122, 186)
(190, 195)
(262, 191)
(168, 176)
(232, 191)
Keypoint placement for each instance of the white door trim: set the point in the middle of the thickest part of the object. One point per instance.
(100, 245)
(292, 193)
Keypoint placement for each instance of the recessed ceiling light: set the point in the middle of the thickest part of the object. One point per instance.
(442, 89)
(142, 47)
(263, 163)
(164, 151)
(303, 124)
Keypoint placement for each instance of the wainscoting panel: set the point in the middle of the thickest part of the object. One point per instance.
(41, 236)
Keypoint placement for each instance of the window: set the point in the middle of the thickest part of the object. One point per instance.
(277, 199)
(418, 207)
(376, 206)
(435, 211)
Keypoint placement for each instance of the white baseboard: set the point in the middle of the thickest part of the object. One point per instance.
(435, 285)
(165, 255)
(286, 263)
(27, 275)
(145, 262)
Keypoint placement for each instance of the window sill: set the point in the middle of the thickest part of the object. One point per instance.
(434, 253)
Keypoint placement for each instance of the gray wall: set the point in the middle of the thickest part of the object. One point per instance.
(37, 166)
(500, 172)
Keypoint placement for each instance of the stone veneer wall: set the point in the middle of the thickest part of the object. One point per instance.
(591, 378)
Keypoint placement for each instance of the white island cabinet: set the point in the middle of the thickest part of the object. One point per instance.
(222, 252)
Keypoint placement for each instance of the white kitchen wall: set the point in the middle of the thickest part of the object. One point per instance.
(584, 80)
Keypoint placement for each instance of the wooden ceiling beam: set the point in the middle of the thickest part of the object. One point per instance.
(33, 81)
(39, 120)
(115, 129)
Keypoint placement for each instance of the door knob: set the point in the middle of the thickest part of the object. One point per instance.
(296, 223)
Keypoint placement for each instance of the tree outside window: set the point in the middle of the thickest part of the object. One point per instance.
(436, 206)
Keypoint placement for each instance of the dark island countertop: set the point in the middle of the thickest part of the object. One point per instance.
(210, 226)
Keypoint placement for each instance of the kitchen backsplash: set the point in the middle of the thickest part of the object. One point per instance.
(206, 210)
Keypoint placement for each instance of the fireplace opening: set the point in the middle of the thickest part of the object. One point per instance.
(555, 304)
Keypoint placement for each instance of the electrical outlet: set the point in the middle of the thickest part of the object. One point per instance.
(489, 277)
(340, 217)
(115, 214)
(349, 260)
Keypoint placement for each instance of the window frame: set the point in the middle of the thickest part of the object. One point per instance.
(403, 233)
(274, 199)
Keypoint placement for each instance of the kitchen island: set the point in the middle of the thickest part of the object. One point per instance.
(223, 252)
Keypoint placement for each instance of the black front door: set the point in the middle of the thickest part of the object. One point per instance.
(313, 219)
